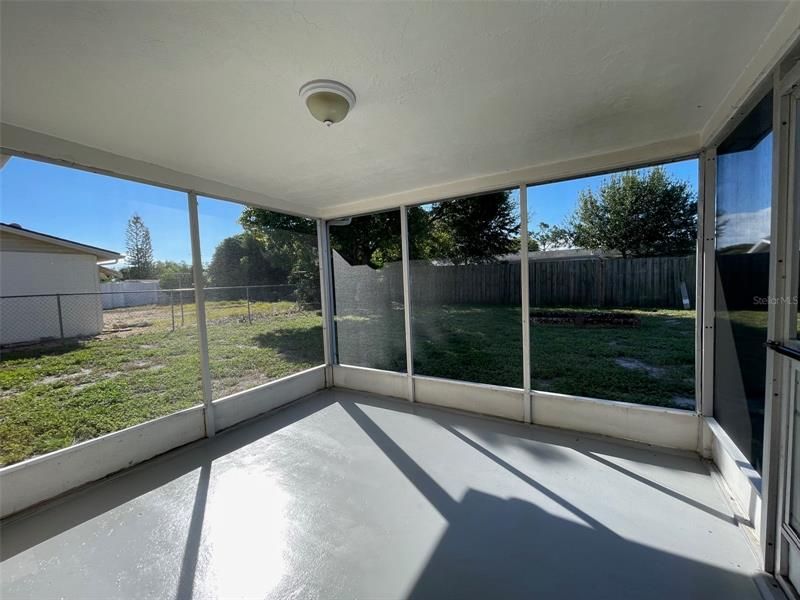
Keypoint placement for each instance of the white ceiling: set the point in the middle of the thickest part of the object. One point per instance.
(446, 91)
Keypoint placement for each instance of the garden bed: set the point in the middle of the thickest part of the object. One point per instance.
(585, 319)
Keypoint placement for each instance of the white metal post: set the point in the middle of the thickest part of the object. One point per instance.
(406, 255)
(707, 282)
(325, 296)
(779, 327)
(525, 303)
(200, 308)
(699, 265)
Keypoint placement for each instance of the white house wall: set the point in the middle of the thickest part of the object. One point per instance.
(31, 273)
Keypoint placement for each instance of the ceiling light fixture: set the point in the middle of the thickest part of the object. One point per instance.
(328, 101)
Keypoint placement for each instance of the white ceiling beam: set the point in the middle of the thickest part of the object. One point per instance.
(657, 152)
(23, 142)
(31, 144)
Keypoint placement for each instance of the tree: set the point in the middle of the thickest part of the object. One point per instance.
(372, 240)
(243, 260)
(469, 230)
(139, 257)
(638, 213)
(550, 237)
(173, 274)
(291, 244)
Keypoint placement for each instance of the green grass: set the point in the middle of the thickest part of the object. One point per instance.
(483, 344)
(652, 364)
(53, 397)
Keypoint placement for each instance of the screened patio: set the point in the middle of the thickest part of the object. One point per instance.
(411, 300)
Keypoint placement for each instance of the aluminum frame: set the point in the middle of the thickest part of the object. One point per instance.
(707, 182)
(406, 259)
(326, 299)
(326, 280)
(525, 302)
(707, 206)
(200, 308)
(777, 323)
(783, 383)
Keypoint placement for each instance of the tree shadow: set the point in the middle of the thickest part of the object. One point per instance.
(54, 348)
(295, 345)
(510, 548)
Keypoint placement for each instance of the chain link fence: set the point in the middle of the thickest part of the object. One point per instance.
(38, 318)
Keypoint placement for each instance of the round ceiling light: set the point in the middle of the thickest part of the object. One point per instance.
(328, 101)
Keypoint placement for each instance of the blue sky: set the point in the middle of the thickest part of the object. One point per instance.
(552, 203)
(744, 195)
(94, 209)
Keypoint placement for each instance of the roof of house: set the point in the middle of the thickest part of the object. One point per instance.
(100, 253)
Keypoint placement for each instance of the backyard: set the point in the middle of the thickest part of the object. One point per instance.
(52, 396)
(652, 363)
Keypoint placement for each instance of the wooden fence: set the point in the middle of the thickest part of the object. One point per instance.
(658, 282)
(603, 282)
(592, 282)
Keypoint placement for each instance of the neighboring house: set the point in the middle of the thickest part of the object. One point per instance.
(37, 264)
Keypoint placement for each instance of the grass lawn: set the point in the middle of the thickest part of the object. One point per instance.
(650, 364)
(52, 397)
(139, 369)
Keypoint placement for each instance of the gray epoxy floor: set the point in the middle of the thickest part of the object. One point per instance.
(347, 495)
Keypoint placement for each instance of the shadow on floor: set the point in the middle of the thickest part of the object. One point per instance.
(511, 548)
(546, 444)
(603, 461)
(194, 536)
(492, 546)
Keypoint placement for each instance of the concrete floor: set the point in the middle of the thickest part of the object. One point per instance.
(347, 495)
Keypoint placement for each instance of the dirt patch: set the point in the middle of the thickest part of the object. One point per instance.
(50, 379)
(585, 319)
(140, 365)
(637, 365)
(137, 364)
(122, 322)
